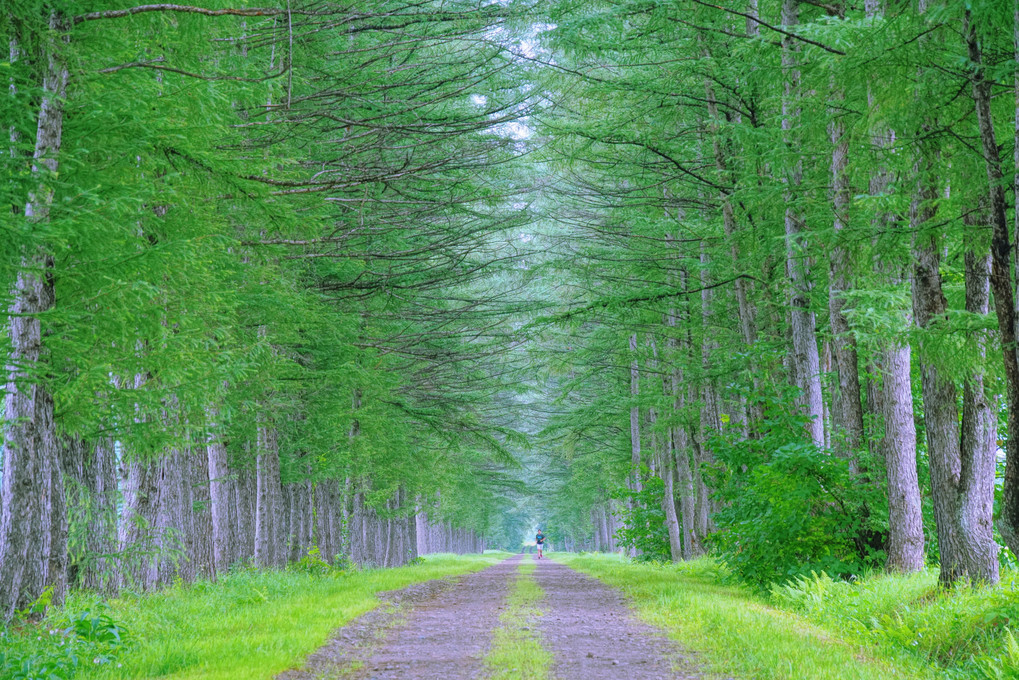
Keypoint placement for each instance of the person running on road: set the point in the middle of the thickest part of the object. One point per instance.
(539, 541)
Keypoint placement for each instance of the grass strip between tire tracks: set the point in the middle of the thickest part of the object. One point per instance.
(516, 652)
(735, 632)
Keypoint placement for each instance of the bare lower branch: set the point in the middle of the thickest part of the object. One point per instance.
(184, 9)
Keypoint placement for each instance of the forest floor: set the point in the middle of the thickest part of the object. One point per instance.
(521, 619)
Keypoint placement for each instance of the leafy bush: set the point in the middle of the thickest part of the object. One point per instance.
(57, 649)
(790, 518)
(644, 526)
(788, 508)
(312, 564)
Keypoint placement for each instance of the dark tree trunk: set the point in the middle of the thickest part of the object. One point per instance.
(1001, 285)
(965, 553)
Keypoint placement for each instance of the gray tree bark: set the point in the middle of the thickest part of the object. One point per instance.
(268, 499)
(805, 362)
(244, 500)
(198, 510)
(222, 511)
(895, 400)
(30, 445)
(848, 410)
(905, 518)
(635, 460)
(90, 471)
(964, 551)
(979, 428)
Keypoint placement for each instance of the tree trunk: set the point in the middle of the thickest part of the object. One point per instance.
(223, 514)
(905, 519)
(1001, 285)
(30, 443)
(90, 473)
(894, 401)
(979, 429)
(702, 503)
(421, 530)
(54, 525)
(170, 523)
(244, 499)
(267, 499)
(669, 505)
(804, 359)
(357, 529)
(965, 553)
(635, 484)
(634, 479)
(711, 422)
(140, 541)
(848, 421)
(198, 503)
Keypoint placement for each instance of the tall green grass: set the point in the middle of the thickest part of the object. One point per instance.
(249, 624)
(739, 633)
(965, 632)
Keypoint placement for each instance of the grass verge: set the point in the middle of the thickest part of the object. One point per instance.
(739, 633)
(516, 652)
(249, 624)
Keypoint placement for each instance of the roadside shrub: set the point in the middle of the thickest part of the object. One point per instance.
(788, 508)
(58, 648)
(312, 564)
(788, 517)
(644, 526)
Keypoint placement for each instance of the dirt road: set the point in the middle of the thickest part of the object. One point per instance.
(444, 629)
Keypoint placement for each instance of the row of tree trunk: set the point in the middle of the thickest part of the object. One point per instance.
(189, 514)
(605, 522)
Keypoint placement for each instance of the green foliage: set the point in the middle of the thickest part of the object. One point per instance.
(62, 646)
(789, 516)
(313, 564)
(644, 527)
(814, 626)
(964, 632)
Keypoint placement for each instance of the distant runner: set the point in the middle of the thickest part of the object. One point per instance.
(539, 541)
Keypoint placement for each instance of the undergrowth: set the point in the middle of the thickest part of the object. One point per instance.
(966, 632)
(249, 624)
